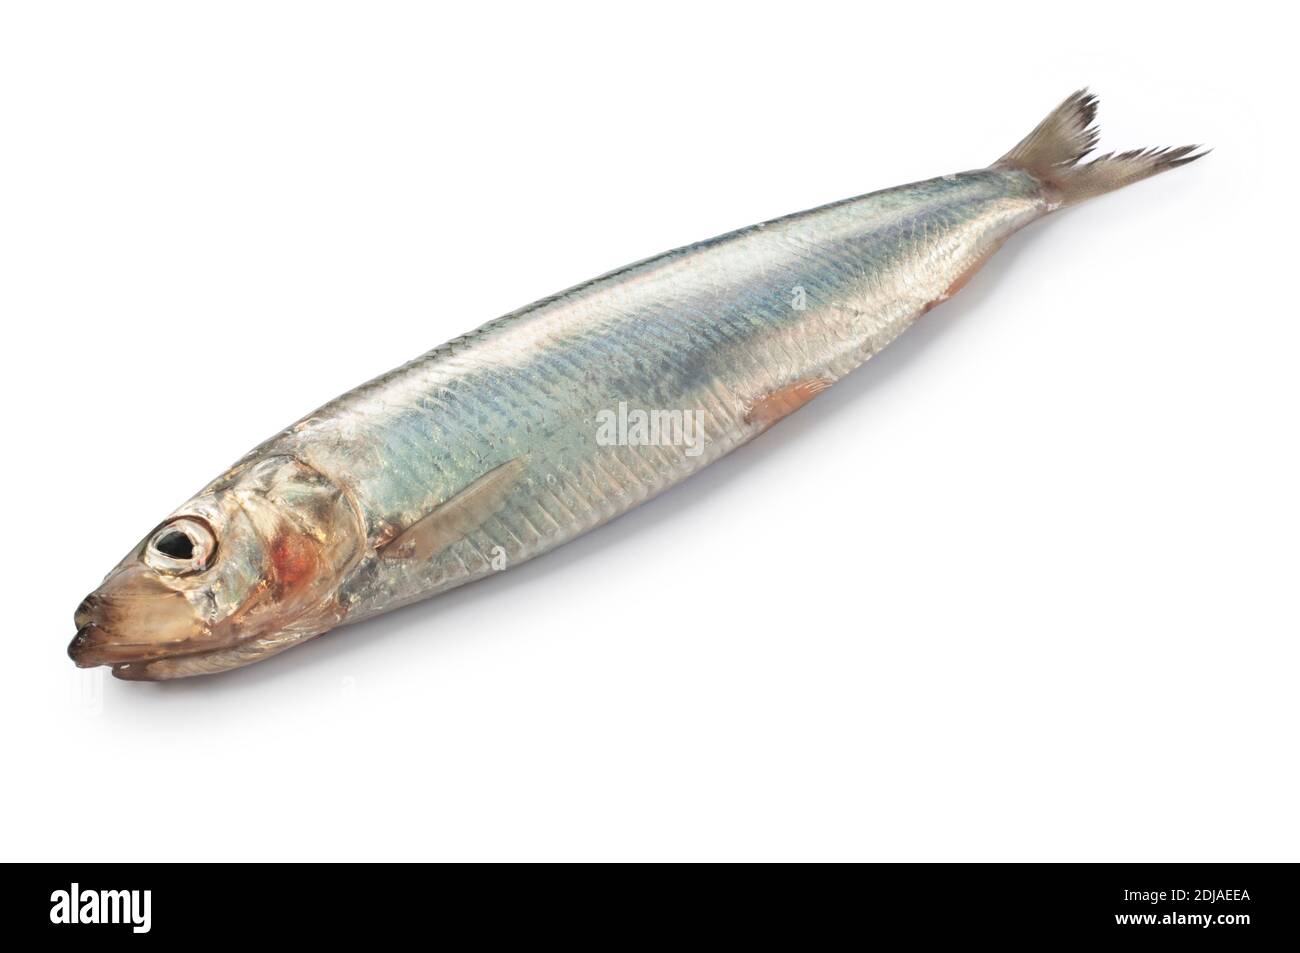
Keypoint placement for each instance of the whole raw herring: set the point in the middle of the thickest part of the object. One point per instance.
(546, 423)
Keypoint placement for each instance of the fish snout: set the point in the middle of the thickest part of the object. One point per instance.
(85, 645)
(85, 613)
(133, 616)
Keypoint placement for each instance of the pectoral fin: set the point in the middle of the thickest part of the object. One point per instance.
(456, 517)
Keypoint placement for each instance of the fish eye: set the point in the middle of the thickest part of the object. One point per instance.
(175, 544)
(183, 545)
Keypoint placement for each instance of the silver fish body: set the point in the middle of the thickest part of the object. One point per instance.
(711, 328)
(523, 434)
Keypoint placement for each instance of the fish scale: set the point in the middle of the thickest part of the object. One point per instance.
(714, 321)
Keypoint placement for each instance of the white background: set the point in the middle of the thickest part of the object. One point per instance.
(1024, 587)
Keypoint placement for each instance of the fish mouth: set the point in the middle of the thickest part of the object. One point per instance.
(93, 646)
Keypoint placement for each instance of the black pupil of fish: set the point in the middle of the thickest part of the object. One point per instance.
(176, 545)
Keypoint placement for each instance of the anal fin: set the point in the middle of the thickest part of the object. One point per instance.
(456, 517)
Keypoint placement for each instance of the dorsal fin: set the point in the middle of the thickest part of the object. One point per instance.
(456, 517)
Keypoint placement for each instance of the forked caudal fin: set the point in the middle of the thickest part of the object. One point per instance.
(1053, 152)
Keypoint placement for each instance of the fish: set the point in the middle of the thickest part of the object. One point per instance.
(550, 421)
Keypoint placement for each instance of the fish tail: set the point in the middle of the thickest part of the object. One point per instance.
(1054, 151)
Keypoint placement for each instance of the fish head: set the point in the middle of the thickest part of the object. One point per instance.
(262, 549)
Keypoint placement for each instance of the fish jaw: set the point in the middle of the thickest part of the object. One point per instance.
(92, 647)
